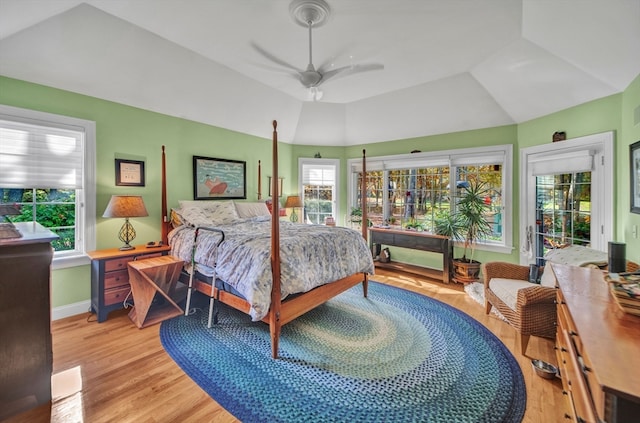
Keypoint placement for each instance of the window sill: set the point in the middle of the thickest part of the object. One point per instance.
(493, 248)
(70, 261)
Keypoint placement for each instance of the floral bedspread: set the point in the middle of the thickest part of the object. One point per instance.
(310, 256)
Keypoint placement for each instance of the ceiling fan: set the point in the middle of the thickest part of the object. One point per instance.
(310, 14)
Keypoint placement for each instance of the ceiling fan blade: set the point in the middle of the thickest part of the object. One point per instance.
(273, 58)
(349, 70)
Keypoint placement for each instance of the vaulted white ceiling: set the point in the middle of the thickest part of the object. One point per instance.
(449, 65)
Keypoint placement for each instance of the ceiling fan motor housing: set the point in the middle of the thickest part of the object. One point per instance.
(304, 12)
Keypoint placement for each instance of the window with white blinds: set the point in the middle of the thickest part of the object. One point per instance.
(319, 179)
(47, 168)
(38, 156)
(417, 187)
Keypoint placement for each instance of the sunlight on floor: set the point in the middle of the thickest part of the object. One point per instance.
(66, 392)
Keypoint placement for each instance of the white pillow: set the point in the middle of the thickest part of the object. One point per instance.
(251, 209)
(548, 277)
(213, 213)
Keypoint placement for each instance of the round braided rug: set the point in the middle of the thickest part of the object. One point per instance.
(395, 356)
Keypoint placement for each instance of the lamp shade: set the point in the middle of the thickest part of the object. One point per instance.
(293, 201)
(125, 206)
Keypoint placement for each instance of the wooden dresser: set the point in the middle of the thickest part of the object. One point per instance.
(26, 357)
(110, 277)
(598, 349)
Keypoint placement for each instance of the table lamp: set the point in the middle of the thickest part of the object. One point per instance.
(126, 206)
(9, 210)
(293, 202)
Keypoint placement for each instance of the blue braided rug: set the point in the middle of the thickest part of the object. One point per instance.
(395, 356)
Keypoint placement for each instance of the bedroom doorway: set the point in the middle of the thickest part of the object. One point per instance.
(566, 195)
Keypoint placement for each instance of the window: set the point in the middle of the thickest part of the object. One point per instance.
(412, 190)
(47, 166)
(319, 188)
(566, 195)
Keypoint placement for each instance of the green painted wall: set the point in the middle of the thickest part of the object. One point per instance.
(128, 132)
(630, 134)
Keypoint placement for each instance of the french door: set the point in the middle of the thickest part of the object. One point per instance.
(566, 195)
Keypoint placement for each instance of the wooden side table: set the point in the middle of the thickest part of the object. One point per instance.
(110, 279)
(149, 277)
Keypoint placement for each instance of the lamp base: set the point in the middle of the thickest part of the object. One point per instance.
(294, 216)
(126, 235)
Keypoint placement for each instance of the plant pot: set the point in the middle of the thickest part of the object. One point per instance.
(466, 271)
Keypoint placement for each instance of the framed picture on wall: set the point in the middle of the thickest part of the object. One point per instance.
(129, 173)
(279, 187)
(634, 154)
(219, 179)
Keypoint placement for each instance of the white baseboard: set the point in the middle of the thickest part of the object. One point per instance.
(70, 310)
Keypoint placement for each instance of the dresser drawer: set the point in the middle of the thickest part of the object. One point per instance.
(116, 279)
(116, 264)
(115, 295)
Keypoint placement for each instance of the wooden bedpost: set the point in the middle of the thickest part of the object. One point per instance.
(365, 219)
(165, 217)
(363, 196)
(259, 180)
(276, 296)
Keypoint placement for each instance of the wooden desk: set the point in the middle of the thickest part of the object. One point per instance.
(598, 349)
(423, 241)
(149, 277)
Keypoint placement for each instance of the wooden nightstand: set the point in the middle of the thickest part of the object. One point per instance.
(110, 277)
(154, 278)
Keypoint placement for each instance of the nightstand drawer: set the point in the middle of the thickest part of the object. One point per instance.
(116, 264)
(116, 295)
(116, 279)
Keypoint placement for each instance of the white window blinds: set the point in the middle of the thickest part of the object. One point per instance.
(318, 174)
(34, 156)
(572, 162)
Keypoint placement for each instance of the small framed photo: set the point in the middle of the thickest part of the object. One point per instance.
(279, 186)
(634, 155)
(129, 173)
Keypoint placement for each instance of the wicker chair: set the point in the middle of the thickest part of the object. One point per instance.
(534, 311)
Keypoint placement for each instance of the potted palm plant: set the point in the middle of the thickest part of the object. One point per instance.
(467, 224)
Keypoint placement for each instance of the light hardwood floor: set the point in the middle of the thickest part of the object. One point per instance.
(127, 376)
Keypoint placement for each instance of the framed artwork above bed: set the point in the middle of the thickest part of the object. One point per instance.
(219, 179)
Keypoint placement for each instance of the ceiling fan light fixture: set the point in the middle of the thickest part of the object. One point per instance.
(315, 94)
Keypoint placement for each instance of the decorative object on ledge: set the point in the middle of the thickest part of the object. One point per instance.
(280, 180)
(219, 179)
(126, 206)
(129, 173)
(293, 202)
(559, 136)
(7, 228)
(634, 155)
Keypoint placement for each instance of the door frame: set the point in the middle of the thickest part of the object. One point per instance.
(602, 223)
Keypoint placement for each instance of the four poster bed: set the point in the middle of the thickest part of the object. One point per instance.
(272, 270)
